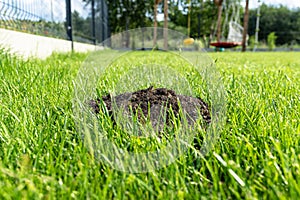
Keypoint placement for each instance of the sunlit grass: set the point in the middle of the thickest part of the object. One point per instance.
(257, 156)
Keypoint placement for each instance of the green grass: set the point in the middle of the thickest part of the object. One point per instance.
(256, 157)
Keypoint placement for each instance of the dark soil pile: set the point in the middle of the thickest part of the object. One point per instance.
(155, 100)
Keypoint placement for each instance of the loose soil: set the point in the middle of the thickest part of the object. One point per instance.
(155, 100)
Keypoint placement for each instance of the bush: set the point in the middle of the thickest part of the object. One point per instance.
(252, 42)
(272, 41)
(198, 45)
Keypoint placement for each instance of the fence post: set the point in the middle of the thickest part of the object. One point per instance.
(69, 22)
(93, 23)
(102, 20)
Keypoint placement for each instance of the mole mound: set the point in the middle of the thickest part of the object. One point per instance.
(155, 101)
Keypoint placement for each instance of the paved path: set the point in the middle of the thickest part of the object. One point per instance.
(29, 45)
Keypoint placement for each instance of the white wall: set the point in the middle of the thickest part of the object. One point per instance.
(28, 45)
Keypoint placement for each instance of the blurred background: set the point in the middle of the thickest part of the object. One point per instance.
(270, 24)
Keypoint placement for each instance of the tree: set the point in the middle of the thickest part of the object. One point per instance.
(189, 18)
(245, 31)
(272, 41)
(165, 24)
(201, 16)
(281, 20)
(123, 14)
(156, 2)
(81, 27)
(219, 3)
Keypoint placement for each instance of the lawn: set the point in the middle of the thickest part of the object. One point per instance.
(256, 156)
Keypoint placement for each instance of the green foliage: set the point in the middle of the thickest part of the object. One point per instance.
(252, 42)
(82, 29)
(41, 27)
(43, 157)
(126, 14)
(285, 22)
(203, 15)
(130, 14)
(198, 44)
(271, 41)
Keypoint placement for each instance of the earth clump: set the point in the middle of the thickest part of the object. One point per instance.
(151, 103)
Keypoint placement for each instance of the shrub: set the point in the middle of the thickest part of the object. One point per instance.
(271, 41)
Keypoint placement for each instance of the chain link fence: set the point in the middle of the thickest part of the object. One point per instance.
(49, 18)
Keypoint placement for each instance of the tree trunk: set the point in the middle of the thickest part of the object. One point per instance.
(165, 24)
(155, 24)
(220, 8)
(156, 2)
(127, 43)
(189, 18)
(246, 19)
(257, 26)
